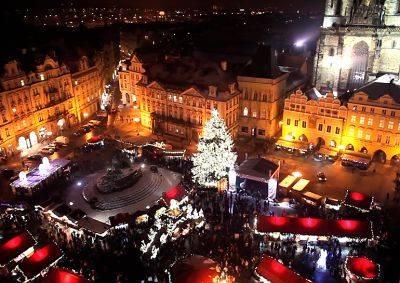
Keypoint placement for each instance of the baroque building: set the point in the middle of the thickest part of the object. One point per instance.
(360, 40)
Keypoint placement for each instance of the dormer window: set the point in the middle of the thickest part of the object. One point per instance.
(41, 77)
(22, 83)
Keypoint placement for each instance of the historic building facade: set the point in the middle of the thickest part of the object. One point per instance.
(40, 104)
(34, 105)
(359, 40)
(369, 123)
(88, 87)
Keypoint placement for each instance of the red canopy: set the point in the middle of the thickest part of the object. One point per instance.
(358, 200)
(274, 271)
(314, 226)
(40, 259)
(58, 275)
(195, 269)
(15, 246)
(362, 268)
(176, 193)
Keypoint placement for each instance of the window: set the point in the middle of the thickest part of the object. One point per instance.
(370, 121)
(332, 52)
(245, 129)
(337, 130)
(363, 109)
(360, 134)
(367, 137)
(304, 124)
(353, 118)
(245, 111)
(288, 121)
(254, 114)
(390, 125)
(362, 120)
(384, 112)
(387, 140)
(262, 114)
(328, 129)
(393, 44)
(320, 126)
(392, 113)
(355, 108)
(296, 123)
(351, 131)
(261, 132)
(397, 142)
(372, 110)
(379, 138)
(381, 124)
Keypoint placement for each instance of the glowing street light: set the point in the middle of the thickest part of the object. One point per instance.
(297, 174)
(299, 43)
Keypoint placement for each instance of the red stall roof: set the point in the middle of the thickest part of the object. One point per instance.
(358, 200)
(362, 267)
(314, 226)
(195, 269)
(15, 246)
(177, 193)
(274, 271)
(40, 259)
(59, 275)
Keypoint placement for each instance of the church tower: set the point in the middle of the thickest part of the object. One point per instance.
(359, 40)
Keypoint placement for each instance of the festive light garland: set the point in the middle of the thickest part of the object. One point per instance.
(214, 153)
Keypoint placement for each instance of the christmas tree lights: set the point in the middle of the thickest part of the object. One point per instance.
(215, 156)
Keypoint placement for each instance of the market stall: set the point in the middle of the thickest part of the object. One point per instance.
(361, 269)
(177, 154)
(332, 203)
(196, 269)
(288, 181)
(177, 193)
(40, 260)
(359, 201)
(271, 270)
(47, 172)
(59, 275)
(342, 228)
(326, 153)
(292, 146)
(312, 198)
(13, 249)
(300, 185)
(359, 160)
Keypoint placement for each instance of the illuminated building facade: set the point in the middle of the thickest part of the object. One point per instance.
(359, 40)
(88, 87)
(39, 104)
(177, 96)
(369, 123)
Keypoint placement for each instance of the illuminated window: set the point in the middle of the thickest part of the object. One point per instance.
(245, 111)
(362, 120)
(353, 119)
(262, 114)
(360, 134)
(367, 137)
(174, 98)
(351, 131)
(22, 83)
(296, 123)
(390, 125)
(370, 121)
(381, 124)
(180, 99)
(254, 114)
(41, 77)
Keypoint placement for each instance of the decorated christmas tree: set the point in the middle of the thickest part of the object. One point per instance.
(214, 153)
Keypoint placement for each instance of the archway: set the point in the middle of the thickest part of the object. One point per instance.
(350, 147)
(22, 143)
(359, 65)
(379, 156)
(303, 138)
(395, 160)
(320, 141)
(364, 150)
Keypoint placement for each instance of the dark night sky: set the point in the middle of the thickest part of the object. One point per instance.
(306, 4)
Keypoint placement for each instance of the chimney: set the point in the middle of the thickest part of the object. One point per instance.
(232, 88)
(224, 65)
(212, 91)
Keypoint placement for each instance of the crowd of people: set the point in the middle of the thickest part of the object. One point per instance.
(227, 237)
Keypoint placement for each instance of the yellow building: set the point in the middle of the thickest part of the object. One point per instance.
(34, 105)
(373, 119)
(370, 123)
(88, 87)
(176, 98)
(320, 122)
